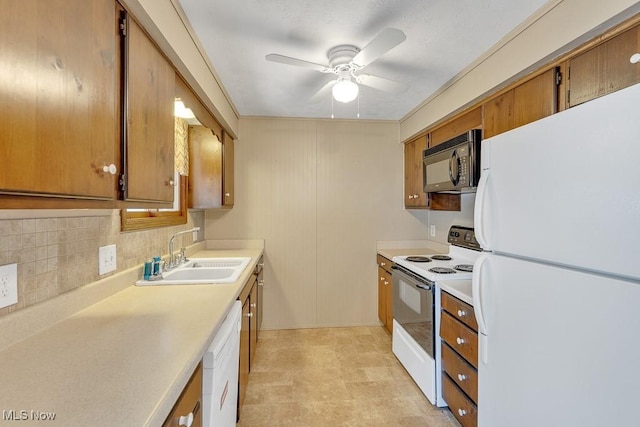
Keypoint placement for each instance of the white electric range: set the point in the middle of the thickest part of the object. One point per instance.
(416, 307)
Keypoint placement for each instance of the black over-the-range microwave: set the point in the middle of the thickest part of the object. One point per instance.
(454, 165)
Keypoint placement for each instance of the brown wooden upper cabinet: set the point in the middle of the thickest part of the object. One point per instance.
(604, 68)
(228, 181)
(532, 100)
(414, 195)
(210, 156)
(464, 123)
(59, 115)
(148, 95)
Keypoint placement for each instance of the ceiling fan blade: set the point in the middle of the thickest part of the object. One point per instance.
(379, 83)
(323, 91)
(298, 63)
(381, 44)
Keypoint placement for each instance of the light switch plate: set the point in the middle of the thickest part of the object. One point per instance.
(106, 259)
(432, 230)
(8, 285)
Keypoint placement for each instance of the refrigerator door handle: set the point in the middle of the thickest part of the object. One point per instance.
(476, 292)
(478, 214)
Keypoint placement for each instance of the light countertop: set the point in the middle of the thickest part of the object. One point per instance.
(460, 289)
(391, 248)
(123, 360)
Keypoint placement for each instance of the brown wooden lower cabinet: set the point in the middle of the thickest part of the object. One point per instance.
(248, 335)
(458, 330)
(189, 404)
(385, 293)
(461, 406)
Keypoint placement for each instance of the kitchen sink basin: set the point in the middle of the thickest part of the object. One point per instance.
(202, 271)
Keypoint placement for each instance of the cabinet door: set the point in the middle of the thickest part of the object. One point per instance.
(228, 159)
(253, 324)
(388, 297)
(464, 123)
(415, 196)
(205, 168)
(382, 299)
(190, 402)
(605, 68)
(528, 102)
(149, 101)
(243, 374)
(498, 115)
(59, 98)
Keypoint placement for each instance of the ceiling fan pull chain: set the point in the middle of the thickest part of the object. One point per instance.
(332, 107)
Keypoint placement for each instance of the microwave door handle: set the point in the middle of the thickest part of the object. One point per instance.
(454, 161)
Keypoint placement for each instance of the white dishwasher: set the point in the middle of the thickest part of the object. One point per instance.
(220, 373)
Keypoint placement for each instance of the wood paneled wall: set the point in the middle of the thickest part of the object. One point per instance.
(320, 192)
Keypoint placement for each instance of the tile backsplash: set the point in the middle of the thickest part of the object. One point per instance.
(59, 254)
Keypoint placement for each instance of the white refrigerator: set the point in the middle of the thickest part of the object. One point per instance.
(557, 295)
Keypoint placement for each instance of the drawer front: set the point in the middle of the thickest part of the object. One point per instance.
(463, 374)
(460, 338)
(460, 310)
(384, 263)
(461, 407)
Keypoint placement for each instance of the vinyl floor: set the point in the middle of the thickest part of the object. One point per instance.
(334, 377)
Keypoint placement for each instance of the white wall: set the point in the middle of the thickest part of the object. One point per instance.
(320, 192)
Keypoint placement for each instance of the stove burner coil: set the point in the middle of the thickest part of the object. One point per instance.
(418, 259)
(441, 257)
(467, 268)
(442, 270)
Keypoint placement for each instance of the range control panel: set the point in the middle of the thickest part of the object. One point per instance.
(464, 237)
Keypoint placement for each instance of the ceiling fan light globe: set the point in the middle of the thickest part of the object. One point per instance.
(345, 91)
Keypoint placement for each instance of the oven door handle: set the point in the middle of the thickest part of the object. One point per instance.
(423, 286)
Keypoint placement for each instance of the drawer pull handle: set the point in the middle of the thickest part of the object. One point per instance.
(460, 341)
(462, 412)
(462, 313)
(186, 420)
(462, 377)
(382, 264)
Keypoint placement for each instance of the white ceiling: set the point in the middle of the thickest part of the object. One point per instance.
(443, 37)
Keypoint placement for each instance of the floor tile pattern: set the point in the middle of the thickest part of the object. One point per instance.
(334, 377)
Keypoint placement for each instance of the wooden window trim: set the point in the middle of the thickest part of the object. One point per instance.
(153, 218)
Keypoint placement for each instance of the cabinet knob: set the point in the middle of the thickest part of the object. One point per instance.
(227, 194)
(171, 182)
(382, 279)
(635, 58)
(253, 305)
(111, 169)
(415, 196)
(460, 341)
(410, 196)
(462, 377)
(462, 412)
(260, 282)
(386, 282)
(249, 314)
(382, 264)
(462, 313)
(186, 420)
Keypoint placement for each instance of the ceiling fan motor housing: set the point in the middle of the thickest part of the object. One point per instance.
(340, 56)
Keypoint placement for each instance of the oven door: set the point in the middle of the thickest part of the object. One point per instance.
(413, 307)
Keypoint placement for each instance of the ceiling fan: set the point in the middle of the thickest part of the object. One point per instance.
(346, 61)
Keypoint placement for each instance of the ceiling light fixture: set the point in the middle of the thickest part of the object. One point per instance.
(179, 110)
(345, 90)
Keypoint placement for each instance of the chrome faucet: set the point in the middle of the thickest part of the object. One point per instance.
(172, 260)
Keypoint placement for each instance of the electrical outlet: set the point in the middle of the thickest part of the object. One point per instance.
(8, 285)
(106, 259)
(432, 230)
